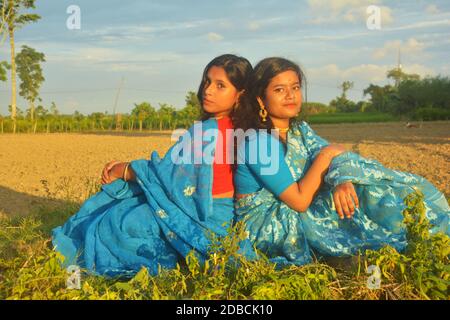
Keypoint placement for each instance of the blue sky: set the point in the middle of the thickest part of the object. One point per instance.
(161, 47)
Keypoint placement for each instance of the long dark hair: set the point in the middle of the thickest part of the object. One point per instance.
(238, 70)
(247, 115)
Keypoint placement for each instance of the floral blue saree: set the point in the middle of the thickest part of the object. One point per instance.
(153, 221)
(290, 237)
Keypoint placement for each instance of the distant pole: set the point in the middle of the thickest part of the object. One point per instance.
(399, 68)
(122, 81)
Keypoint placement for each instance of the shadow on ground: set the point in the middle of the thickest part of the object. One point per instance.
(19, 204)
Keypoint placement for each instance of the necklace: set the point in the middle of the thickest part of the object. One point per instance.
(283, 130)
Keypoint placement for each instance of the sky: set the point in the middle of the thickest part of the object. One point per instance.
(156, 50)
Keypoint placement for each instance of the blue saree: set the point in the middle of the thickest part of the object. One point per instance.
(153, 221)
(290, 237)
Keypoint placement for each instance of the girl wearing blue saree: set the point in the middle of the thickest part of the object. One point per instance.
(319, 198)
(152, 213)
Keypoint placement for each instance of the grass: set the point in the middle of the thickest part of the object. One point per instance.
(357, 117)
(30, 269)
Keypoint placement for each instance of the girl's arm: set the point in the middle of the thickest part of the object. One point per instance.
(299, 195)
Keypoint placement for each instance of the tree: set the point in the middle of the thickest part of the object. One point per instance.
(191, 112)
(52, 115)
(30, 73)
(77, 116)
(315, 108)
(192, 100)
(363, 106)
(166, 114)
(186, 116)
(398, 76)
(54, 110)
(142, 111)
(4, 16)
(381, 98)
(411, 93)
(342, 104)
(13, 19)
(312, 108)
(41, 112)
(3, 67)
(97, 117)
(19, 112)
(429, 93)
(345, 86)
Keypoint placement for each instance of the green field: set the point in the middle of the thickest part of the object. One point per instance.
(357, 117)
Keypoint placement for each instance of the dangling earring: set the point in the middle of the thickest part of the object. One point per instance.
(263, 114)
(262, 111)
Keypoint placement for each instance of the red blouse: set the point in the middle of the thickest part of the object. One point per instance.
(222, 171)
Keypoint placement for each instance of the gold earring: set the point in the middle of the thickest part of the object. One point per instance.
(263, 114)
(262, 111)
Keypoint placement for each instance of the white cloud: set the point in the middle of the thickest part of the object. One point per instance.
(419, 69)
(214, 37)
(352, 11)
(432, 9)
(412, 46)
(445, 70)
(422, 25)
(370, 72)
(336, 5)
(145, 32)
(254, 25)
(108, 59)
(364, 73)
(359, 14)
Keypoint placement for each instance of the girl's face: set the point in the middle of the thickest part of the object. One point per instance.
(283, 96)
(219, 94)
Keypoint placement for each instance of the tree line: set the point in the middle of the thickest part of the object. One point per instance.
(143, 116)
(410, 96)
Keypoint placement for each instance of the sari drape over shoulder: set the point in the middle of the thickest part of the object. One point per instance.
(153, 221)
(290, 237)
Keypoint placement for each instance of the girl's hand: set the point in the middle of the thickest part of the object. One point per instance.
(344, 195)
(107, 177)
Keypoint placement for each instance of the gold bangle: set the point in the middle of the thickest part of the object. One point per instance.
(125, 172)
